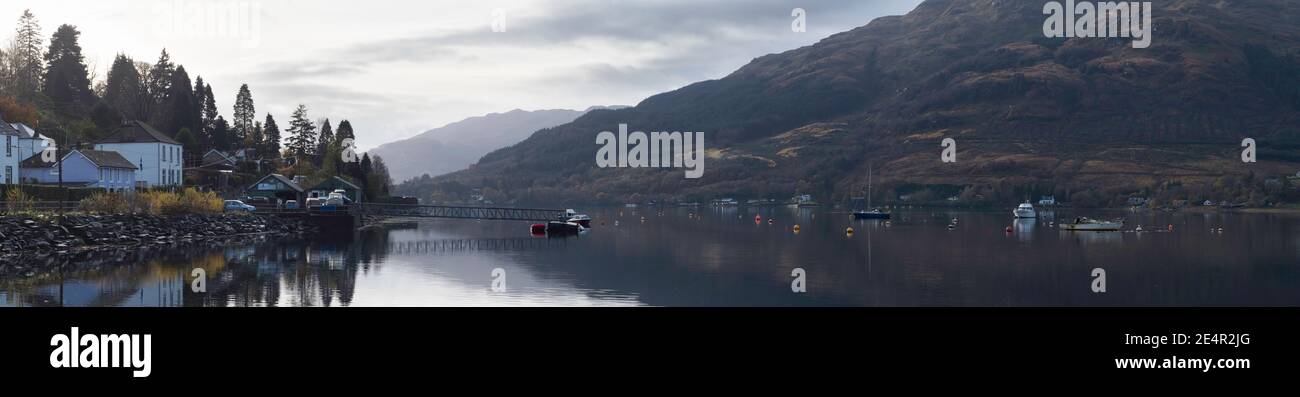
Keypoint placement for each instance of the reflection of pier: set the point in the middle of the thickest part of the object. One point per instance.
(469, 245)
(434, 211)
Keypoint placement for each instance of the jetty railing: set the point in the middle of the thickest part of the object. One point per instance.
(437, 211)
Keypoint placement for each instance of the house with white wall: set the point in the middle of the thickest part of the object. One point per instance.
(159, 159)
(31, 142)
(88, 168)
(10, 156)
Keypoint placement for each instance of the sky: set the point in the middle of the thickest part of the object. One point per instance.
(396, 68)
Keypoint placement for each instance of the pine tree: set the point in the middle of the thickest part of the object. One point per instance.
(123, 88)
(344, 132)
(67, 84)
(270, 147)
(326, 137)
(221, 136)
(159, 83)
(210, 116)
(302, 133)
(256, 137)
(26, 59)
(244, 116)
(181, 104)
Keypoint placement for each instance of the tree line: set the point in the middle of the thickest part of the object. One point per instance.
(51, 88)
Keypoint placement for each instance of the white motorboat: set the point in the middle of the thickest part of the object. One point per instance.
(1025, 211)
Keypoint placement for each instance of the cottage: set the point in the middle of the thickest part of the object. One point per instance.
(90, 168)
(216, 159)
(275, 187)
(324, 188)
(158, 157)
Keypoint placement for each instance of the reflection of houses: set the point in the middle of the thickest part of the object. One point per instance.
(275, 186)
(1137, 201)
(1047, 201)
(158, 157)
(91, 168)
(323, 189)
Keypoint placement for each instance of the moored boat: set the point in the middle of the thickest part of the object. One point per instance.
(873, 214)
(1082, 224)
(1025, 211)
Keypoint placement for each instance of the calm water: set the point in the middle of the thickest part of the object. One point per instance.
(717, 257)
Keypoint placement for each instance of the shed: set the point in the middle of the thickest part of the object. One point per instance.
(275, 186)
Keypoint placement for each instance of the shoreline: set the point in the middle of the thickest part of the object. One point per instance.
(28, 242)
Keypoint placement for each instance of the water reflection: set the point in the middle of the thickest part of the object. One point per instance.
(713, 257)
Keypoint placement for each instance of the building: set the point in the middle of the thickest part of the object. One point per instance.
(88, 168)
(11, 157)
(324, 189)
(216, 159)
(1047, 200)
(159, 158)
(275, 186)
(31, 142)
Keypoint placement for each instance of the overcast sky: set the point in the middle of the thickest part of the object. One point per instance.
(397, 68)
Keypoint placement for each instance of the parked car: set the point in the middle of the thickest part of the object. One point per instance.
(291, 205)
(238, 206)
(336, 199)
(315, 202)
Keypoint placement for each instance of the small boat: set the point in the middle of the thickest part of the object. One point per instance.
(581, 219)
(563, 228)
(1025, 211)
(873, 214)
(574, 217)
(1082, 224)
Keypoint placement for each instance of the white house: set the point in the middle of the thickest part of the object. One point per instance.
(31, 142)
(10, 157)
(159, 158)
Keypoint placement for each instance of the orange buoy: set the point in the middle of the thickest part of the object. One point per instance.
(849, 230)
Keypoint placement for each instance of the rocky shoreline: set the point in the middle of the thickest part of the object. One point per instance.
(26, 241)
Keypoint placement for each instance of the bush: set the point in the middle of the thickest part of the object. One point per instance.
(158, 202)
(105, 203)
(195, 202)
(18, 202)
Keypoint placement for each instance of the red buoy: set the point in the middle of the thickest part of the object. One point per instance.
(538, 229)
(758, 218)
(1010, 230)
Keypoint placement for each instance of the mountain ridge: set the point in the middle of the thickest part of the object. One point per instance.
(1086, 117)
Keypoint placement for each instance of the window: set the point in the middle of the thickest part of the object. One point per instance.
(9, 175)
(9, 146)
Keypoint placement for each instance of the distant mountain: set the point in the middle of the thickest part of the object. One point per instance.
(457, 145)
(1091, 120)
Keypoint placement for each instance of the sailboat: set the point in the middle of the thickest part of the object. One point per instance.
(874, 213)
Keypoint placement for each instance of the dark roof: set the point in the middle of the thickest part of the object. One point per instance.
(24, 131)
(281, 178)
(101, 158)
(109, 159)
(334, 181)
(35, 162)
(136, 131)
(6, 129)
